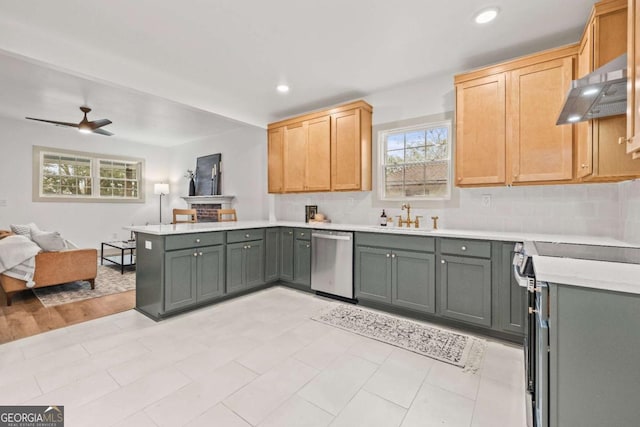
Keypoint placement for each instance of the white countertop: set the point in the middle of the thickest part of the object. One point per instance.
(610, 276)
(594, 274)
(170, 229)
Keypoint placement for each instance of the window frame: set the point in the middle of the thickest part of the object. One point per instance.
(381, 160)
(95, 159)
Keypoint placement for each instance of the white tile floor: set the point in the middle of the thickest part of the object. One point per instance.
(257, 360)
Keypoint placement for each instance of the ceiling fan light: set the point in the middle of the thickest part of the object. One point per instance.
(84, 130)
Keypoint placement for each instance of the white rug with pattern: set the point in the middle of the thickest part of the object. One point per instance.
(447, 346)
(109, 281)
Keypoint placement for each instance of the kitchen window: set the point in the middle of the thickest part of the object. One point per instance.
(65, 175)
(415, 162)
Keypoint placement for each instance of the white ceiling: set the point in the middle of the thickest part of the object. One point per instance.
(227, 56)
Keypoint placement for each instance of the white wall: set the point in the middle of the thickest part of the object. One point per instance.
(244, 169)
(630, 211)
(86, 224)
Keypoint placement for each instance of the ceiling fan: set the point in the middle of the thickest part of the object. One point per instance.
(85, 126)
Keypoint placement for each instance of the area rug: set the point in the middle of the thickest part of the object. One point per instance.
(447, 346)
(109, 281)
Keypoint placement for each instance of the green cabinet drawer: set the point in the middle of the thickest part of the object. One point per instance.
(474, 248)
(303, 234)
(193, 240)
(236, 236)
(394, 241)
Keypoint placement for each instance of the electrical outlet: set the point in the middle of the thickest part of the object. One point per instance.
(148, 245)
(486, 200)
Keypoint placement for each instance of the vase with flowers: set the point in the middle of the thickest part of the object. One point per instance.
(192, 183)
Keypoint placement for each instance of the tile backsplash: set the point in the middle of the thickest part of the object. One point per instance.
(593, 209)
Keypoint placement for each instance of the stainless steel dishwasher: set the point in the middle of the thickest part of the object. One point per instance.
(332, 263)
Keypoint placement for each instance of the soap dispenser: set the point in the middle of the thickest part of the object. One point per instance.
(383, 219)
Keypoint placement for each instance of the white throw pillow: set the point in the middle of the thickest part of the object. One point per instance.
(24, 230)
(49, 241)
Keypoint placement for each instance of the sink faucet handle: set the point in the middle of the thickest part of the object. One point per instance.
(435, 222)
(417, 221)
(400, 220)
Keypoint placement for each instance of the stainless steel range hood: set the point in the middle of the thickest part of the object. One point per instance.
(599, 94)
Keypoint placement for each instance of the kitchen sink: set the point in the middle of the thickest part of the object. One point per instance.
(402, 230)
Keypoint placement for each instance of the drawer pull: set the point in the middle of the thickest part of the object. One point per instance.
(308, 246)
(464, 248)
(302, 234)
(290, 233)
(244, 247)
(246, 235)
(197, 240)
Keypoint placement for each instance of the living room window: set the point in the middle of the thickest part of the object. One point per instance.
(65, 175)
(415, 162)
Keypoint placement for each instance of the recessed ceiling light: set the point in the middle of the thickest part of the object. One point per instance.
(573, 118)
(590, 91)
(282, 88)
(487, 15)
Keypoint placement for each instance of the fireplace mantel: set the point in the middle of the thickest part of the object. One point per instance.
(225, 201)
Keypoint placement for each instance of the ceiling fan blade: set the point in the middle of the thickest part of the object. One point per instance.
(99, 123)
(102, 132)
(74, 125)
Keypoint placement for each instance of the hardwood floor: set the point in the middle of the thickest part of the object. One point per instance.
(27, 316)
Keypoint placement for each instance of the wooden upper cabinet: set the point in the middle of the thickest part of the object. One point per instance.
(318, 157)
(275, 157)
(295, 157)
(633, 88)
(480, 131)
(323, 151)
(506, 117)
(584, 135)
(541, 150)
(606, 38)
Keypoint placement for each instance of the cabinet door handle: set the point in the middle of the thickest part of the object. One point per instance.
(199, 253)
(302, 234)
(388, 255)
(308, 246)
(464, 248)
(531, 310)
(584, 166)
(442, 261)
(197, 240)
(246, 235)
(248, 246)
(244, 247)
(393, 255)
(290, 233)
(195, 254)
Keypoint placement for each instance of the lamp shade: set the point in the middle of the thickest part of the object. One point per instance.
(161, 188)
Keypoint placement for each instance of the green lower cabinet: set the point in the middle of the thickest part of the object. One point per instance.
(413, 280)
(511, 297)
(181, 279)
(373, 274)
(245, 265)
(465, 289)
(192, 276)
(235, 267)
(254, 263)
(210, 273)
(287, 240)
(302, 263)
(272, 255)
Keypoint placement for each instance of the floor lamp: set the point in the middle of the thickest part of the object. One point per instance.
(161, 189)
